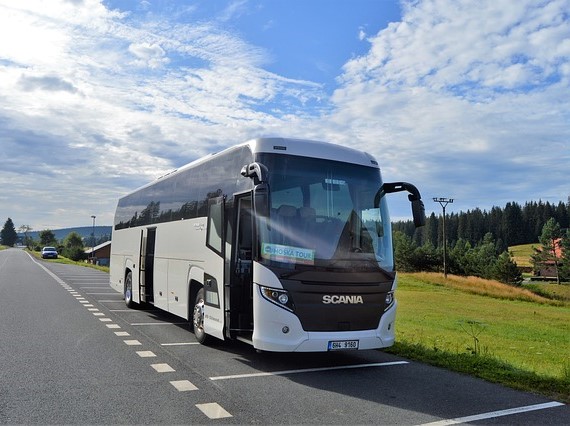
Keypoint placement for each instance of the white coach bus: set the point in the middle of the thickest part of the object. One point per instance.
(282, 243)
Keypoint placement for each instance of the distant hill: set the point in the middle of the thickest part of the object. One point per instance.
(84, 231)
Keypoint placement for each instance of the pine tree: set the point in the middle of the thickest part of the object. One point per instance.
(8, 235)
(506, 270)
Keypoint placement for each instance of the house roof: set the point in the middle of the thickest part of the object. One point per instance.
(99, 247)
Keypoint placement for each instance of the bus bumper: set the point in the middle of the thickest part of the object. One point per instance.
(282, 331)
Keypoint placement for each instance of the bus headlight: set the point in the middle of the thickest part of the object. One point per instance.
(278, 297)
(389, 300)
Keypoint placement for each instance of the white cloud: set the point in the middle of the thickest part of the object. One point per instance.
(151, 55)
(465, 98)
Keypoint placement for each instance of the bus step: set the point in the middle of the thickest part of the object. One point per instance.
(245, 340)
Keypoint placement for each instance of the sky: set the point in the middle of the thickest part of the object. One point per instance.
(467, 99)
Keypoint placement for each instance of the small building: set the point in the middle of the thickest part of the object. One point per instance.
(547, 270)
(100, 255)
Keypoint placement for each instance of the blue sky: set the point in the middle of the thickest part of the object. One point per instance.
(468, 99)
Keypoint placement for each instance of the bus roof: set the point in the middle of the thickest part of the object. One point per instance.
(313, 149)
(286, 146)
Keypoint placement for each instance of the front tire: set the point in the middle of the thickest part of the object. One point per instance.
(128, 292)
(198, 318)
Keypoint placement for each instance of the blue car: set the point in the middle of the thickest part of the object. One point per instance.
(49, 253)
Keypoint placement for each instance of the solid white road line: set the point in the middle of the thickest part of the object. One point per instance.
(157, 323)
(493, 414)
(308, 370)
(179, 344)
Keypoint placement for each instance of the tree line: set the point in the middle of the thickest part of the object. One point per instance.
(478, 241)
(509, 226)
(72, 246)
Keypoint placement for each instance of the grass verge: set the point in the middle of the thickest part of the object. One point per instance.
(505, 335)
(67, 261)
(488, 368)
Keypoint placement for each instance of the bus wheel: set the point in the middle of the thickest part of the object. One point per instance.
(198, 318)
(129, 290)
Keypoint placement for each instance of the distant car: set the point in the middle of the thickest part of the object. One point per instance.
(49, 253)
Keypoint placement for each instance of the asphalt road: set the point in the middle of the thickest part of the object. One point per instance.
(71, 353)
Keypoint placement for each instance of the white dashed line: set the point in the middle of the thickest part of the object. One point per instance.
(183, 385)
(146, 354)
(105, 319)
(119, 333)
(162, 368)
(117, 326)
(213, 410)
(132, 342)
(98, 314)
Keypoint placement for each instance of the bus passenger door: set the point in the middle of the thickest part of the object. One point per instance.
(214, 269)
(240, 270)
(146, 270)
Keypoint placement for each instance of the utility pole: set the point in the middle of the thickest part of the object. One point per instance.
(93, 241)
(444, 202)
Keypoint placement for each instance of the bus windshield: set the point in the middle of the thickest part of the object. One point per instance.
(322, 215)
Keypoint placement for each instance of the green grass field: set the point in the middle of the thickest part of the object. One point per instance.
(522, 253)
(485, 319)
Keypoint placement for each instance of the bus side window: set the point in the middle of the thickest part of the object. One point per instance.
(215, 221)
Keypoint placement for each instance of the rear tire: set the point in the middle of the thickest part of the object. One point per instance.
(198, 318)
(128, 292)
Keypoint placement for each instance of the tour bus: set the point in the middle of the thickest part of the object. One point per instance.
(284, 244)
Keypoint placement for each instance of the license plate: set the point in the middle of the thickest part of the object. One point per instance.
(338, 345)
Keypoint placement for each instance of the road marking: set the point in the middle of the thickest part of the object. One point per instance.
(106, 293)
(98, 314)
(179, 344)
(119, 333)
(105, 319)
(146, 354)
(493, 414)
(158, 323)
(116, 326)
(132, 342)
(213, 410)
(162, 368)
(308, 370)
(121, 300)
(133, 310)
(83, 302)
(183, 385)
(89, 306)
(92, 309)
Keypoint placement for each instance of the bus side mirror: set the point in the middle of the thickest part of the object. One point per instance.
(418, 212)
